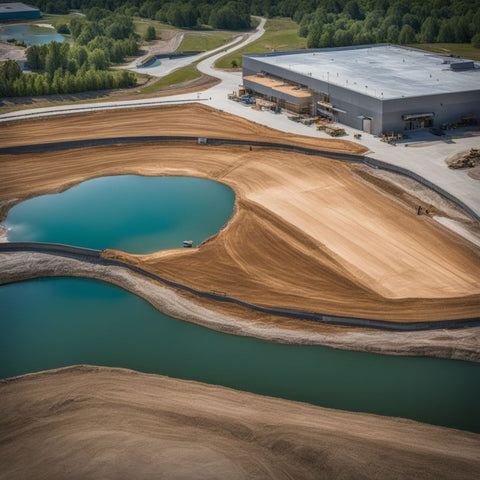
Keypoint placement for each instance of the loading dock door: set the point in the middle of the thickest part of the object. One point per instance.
(367, 125)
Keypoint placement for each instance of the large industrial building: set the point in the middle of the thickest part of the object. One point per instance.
(374, 88)
(17, 11)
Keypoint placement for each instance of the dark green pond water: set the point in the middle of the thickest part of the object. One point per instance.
(50, 323)
(130, 213)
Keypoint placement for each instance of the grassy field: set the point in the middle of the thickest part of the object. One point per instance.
(204, 41)
(183, 74)
(466, 50)
(280, 34)
(141, 25)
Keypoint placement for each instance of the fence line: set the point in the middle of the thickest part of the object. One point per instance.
(94, 256)
(346, 157)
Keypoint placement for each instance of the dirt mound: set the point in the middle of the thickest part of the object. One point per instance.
(93, 422)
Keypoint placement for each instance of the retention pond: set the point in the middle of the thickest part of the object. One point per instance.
(30, 34)
(50, 323)
(130, 213)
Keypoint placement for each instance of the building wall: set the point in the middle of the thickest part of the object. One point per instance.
(270, 92)
(447, 108)
(386, 115)
(352, 105)
(19, 15)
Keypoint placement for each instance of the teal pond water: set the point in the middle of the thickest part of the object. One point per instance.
(130, 213)
(54, 322)
(50, 323)
(30, 35)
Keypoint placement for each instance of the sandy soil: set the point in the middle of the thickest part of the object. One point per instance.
(458, 344)
(93, 422)
(9, 51)
(308, 233)
(301, 238)
(190, 120)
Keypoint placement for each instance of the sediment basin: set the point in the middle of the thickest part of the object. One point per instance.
(71, 321)
(125, 212)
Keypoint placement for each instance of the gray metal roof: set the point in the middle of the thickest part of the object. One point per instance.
(15, 7)
(382, 71)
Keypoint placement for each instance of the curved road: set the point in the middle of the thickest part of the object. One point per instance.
(147, 102)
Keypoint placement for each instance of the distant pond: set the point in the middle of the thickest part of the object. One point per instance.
(30, 34)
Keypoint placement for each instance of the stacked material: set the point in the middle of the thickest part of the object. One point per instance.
(468, 160)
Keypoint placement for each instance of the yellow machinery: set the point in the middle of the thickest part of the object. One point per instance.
(334, 131)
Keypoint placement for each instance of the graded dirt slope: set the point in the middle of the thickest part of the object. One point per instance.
(307, 233)
(188, 120)
(93, 422)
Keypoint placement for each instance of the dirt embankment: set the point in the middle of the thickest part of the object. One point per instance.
(187, 120)
(93, 422)
(457, 344)
(308, 233)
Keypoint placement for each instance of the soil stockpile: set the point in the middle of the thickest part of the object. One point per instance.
(470, 159)
(93, 422)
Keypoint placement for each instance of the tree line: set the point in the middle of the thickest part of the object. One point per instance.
(101, 39)
(231, 15)
(335, 23)
(325, 23)
(15, 83)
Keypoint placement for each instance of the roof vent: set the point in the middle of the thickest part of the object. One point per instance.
(460, 66)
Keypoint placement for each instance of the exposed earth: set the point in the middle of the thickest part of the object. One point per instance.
(93, 422)
(308, 232)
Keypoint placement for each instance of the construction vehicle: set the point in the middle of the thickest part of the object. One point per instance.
(307, 120)
(334, 131)
(247, 100)
(391, 138)
(295, 118)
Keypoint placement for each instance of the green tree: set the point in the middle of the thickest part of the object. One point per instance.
(19, 87)
(412, 20)
(79, 55)
(342, 38)
(407, 35)
(56, 57)
(326, 38)
(313, 37)
(429, 30)
(10, 71)
(35, 58)
(446, 33)
(98, 59)
(76, 25)
(63, 29)
(352, 9)
(476, 40)
(461, 28)
(39, 86)
(392, 34)
(150, 33)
